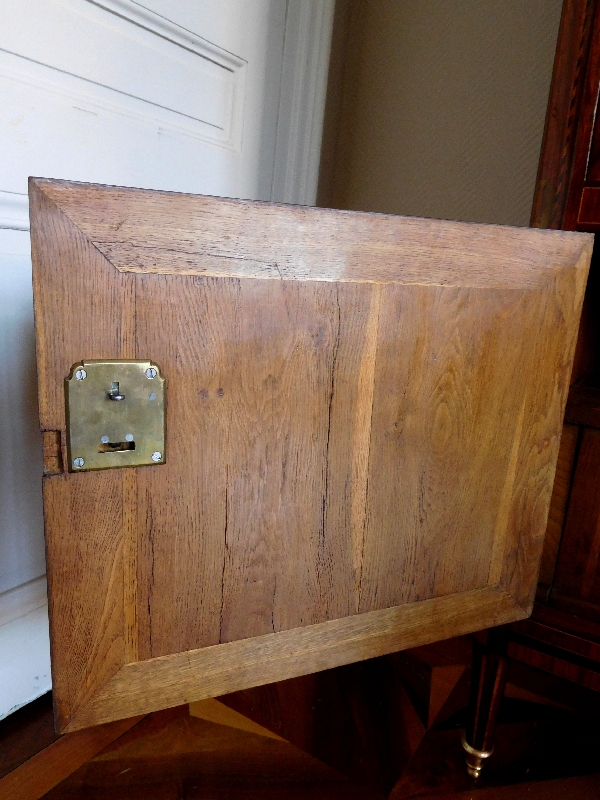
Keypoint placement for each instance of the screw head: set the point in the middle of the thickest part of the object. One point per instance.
(104, 439)
(81, 374)
(129, 437)
(152, 396)
(78, 462)
(156, 456)
(151, 372)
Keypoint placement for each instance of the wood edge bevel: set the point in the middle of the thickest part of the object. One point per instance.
(38, 185)
(41, 184)
(140, 688)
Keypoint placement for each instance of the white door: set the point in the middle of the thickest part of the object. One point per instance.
(220, 97)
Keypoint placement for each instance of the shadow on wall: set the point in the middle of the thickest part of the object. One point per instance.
(21, 523)
(437, 109)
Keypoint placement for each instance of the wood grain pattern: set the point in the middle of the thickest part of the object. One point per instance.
(207, 672)
(569, 642)
(423, 473)
(90, 311)
(180, 553)
(538, 448)
(363, 412)
(563, 114)
(562, 621)
(561, 663)
(567, 196)
(87, 612)
(589, 209)
(593, 170)
(166, 233)
(50, 766)
(585, 127)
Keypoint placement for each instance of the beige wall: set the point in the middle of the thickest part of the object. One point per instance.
(436, 107)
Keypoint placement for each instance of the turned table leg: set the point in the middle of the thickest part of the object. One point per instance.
(488, 680)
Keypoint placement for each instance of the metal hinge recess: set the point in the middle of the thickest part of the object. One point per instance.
(115, 415)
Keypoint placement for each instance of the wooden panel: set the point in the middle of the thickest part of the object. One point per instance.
(431, 441)
(585, 117)
(563, 114)
(593, 165)
(558, 502)
(363, 412)
(208, 672)
(91, 311)
(578, 568)
(589, 610)
(552, 663)
(563, 621)
(167, 233)
(560, 640)
(531, 471)
(589, 209)
(86, 610)
(54, 763)
(586, 365)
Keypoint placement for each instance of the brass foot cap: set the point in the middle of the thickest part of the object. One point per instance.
(475, 758)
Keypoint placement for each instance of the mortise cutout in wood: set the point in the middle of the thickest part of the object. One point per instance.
(363, 422)
(51, 452)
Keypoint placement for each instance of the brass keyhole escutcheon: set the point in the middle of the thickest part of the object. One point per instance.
(115, 415)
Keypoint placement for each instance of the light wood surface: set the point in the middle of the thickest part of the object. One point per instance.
(211, 671)
(180, 234)
(363, 420)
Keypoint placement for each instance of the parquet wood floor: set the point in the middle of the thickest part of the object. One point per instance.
(386, 728)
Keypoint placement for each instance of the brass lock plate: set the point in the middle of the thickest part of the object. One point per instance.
(115, 415)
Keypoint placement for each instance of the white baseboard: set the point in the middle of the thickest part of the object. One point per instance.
(24, 645)
(24, 660)
(22, 599)
(14, 211)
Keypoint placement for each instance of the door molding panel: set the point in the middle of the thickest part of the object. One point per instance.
(363, 422)
(155, 23)
(207, 672)
(223, 91)
(302, 88)
(232, 67)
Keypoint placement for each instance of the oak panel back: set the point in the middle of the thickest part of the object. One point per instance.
(363, 416)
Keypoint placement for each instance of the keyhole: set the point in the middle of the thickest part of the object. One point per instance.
(114, 393)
